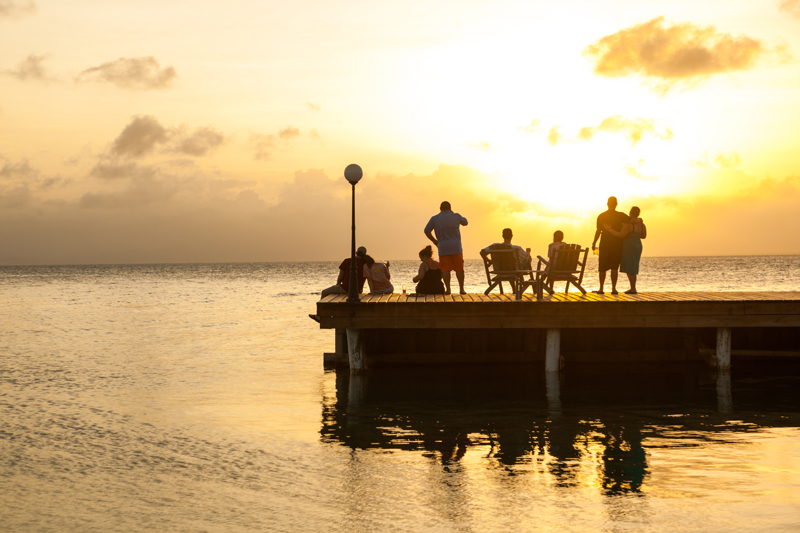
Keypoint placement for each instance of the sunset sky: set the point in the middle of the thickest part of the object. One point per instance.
(137, 132)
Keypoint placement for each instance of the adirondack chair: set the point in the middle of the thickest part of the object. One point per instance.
(566, 265)
(500, 264)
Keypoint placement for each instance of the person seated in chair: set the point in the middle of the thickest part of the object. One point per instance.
(523, 257)
(429, 278)
(558, 241)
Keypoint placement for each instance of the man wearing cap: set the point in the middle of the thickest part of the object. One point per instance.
(343, 283)
(448, 240)
(610, 245)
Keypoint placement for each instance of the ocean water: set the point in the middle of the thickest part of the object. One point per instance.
(194, 398)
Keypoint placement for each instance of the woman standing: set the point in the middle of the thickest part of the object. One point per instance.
(429, 277)
(632, 233)
(378, 276)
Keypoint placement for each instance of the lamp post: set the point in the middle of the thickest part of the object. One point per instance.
(353, 174)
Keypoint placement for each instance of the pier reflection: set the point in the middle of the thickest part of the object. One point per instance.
(587, 430)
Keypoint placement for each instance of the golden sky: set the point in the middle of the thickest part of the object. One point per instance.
(151, 131)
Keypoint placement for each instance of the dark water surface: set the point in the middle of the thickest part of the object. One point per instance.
(193, 398)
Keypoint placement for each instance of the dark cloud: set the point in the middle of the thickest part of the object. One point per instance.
(31, 69)
(790, 7)
(113, 170)
(144, 185)
(145, 133)
(21, 170)
(140, 137)
(16, 8)
(131, 73)
(199, 143)
(266, 144)
(15, 198)
(672, 53)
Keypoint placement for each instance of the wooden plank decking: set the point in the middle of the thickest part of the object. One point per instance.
(573, 310)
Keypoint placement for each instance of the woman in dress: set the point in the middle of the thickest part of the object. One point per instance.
(632, 233)
(429, 278)
(378, 276)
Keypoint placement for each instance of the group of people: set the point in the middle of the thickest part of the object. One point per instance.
(620, 250)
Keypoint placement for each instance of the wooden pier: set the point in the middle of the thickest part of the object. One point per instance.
(562, 328)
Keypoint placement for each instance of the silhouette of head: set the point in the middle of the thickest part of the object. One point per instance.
(635, 212)
(426, 252)
(445, 207)
(361, 251)
(558, 236)
(507, 233)
(612, 202)
(368, 260)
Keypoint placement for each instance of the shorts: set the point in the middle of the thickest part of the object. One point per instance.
(451, 262)
(610, 256)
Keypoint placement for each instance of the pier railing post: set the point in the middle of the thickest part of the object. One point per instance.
(723, 349)
(552, 351)
(355, 351)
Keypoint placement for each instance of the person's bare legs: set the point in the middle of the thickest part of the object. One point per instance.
(602, 281)
(632, 280)
(460, 278)
(614, 277)
(446, 279)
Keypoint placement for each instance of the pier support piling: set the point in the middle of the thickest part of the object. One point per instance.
(552, 350)
(355, 351)
(553, 385)
(724, 349)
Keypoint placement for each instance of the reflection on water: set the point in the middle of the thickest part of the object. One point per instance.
(596, 431)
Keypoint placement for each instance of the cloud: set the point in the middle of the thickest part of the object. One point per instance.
(200, 143)
(313, 107)
(20, 170)
(31, 69)
(16, 8)
(113, 170)
(730, 160)
(266, 144)
(672, 53)
(145, 133)
(483, 146)
(533, 127)
(791, 7)
(554, 137)
(635, 170)
(586, 133)
(633, 129)
(140, 137)
(131, 73)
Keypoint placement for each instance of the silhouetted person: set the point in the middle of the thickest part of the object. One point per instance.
(610, 245)
(343, 282)
(523, 255)
(448, 240)
(558, 241)
(631, 234)
(378, 276)
(429, 277)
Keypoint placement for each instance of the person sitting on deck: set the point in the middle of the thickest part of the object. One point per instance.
(558, 241)
(523, 257)
(378, 276)
(343, 282)
(429, 278)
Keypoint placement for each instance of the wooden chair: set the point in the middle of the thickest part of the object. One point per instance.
(566, 265)
(500, 264)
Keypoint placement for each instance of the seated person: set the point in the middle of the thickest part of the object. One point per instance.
(378, 276)
(523, 257)
(343, 282)
(429, 278)
(558, 241)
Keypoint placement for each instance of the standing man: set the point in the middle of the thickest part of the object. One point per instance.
(448, 240)
(610, 245)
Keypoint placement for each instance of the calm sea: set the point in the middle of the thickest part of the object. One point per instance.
(193, 398)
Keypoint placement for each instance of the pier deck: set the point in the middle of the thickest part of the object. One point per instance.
(663, 315)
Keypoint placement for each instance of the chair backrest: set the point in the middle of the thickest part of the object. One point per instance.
(566, 258)
(504, 259)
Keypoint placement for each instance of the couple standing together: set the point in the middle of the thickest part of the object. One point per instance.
(620, 245)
